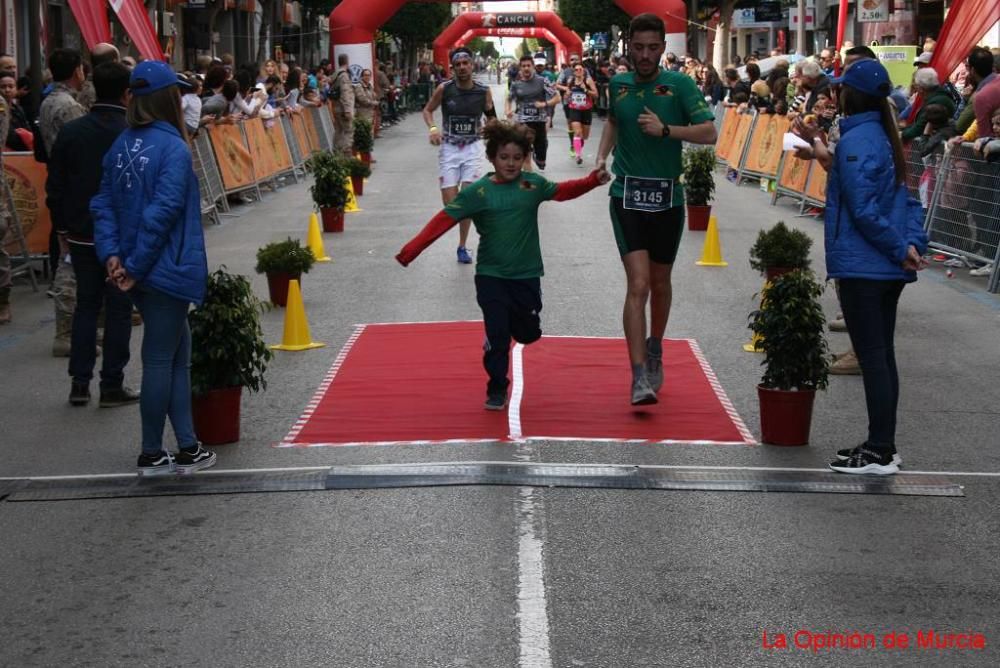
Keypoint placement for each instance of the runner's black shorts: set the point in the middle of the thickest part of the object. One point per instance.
(658, 232)
(584, 116)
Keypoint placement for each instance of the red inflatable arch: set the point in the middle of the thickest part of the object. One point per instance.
(353, 24)
(525, 24)
(562, 54)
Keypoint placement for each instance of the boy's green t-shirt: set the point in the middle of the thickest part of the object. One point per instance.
(674, 97)
(506, 218)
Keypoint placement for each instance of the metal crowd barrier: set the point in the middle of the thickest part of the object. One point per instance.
(209, 185)
(298, 157)
(963, 219)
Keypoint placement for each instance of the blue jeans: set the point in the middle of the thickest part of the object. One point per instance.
(166, 369)
(869, 308)
(92, 291)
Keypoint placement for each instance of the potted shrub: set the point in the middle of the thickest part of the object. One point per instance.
(789, 325)
(363, 139)
(283, 261)
(779, 250)
(228, 353)
(360, 170)
(329, 188)
(699, 185)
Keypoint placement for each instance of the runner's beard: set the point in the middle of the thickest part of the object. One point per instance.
(644, 67)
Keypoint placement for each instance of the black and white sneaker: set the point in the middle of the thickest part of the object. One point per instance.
(152, 465)
(866, 460)
(845, 454)
(189, 461)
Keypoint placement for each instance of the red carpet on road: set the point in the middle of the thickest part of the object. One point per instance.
(424, 383)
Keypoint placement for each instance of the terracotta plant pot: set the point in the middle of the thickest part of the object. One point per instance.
(333, 219)
(785, 416)
(277, 286)
(698, 217)
(358, 183)
(366, 158)
(217, 415)
(771, 273)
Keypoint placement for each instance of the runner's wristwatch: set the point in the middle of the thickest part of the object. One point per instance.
(666, 131)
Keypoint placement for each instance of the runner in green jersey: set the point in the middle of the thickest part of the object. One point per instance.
(504, 208)
(651, 111)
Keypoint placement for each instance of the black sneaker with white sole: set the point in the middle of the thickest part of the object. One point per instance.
(495, 401)
(845, 454)
(868, 461)
(189, 461)
(160, 463)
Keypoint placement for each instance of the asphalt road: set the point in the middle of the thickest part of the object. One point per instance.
(506, 576)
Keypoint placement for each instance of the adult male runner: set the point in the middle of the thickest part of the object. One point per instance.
(651, 112)
(463, 104)
(532, 96)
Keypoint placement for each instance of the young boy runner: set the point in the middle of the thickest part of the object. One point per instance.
(504, 208)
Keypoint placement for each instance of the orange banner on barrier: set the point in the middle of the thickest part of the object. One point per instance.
(730, 123)
(793, 173)
(764, 153)
(26, 179)
(816, 187)
(260, 148)
(312, 131)
(233, 157)
(740, 141)
(301, 136)
(278, 146)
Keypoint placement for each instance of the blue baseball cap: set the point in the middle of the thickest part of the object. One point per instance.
(868, 76)
(150, 76)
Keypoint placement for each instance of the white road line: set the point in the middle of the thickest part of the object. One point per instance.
(516, 394)
(532, 609)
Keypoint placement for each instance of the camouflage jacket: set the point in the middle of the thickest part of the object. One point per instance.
(59, 108)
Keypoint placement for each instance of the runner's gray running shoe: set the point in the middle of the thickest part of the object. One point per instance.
(654, 366)
(642, 393)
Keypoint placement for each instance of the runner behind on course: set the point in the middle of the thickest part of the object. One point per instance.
(581, 92)
(532, 96)
(504, 207)
(463, 104)
(651, 111)
(565, 77)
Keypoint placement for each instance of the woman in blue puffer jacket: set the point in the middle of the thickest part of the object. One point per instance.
(147, 231)
(874, 245)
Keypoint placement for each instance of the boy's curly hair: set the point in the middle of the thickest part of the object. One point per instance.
(496, 133)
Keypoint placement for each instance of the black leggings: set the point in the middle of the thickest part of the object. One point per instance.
(511, 309)
(541, 143)
(869, 308)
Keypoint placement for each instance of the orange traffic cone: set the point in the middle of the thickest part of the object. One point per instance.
(315, 240)
(711, 252)
(296, 336)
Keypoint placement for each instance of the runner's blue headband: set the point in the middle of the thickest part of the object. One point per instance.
(462, 53)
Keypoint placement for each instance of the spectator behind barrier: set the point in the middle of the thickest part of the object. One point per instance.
(925, 81)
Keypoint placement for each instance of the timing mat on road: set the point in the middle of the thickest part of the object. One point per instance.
(413, 383)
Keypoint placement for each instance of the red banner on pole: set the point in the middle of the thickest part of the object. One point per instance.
(92, 17)
(967, 22)
(136, 21)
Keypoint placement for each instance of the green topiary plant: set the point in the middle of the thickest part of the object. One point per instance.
(364, 139)
(227, 343)
(330, 171)
(288, 257)
(359, 169)
(791, 323)
(780, 247)
(699, 179)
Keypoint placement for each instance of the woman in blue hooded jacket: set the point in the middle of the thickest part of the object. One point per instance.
(147, 231)
(874, 245)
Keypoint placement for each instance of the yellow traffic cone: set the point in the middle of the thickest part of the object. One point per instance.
(711, 252)
(754, 345)
(296, 336)
(315, 240)
(352, 201)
